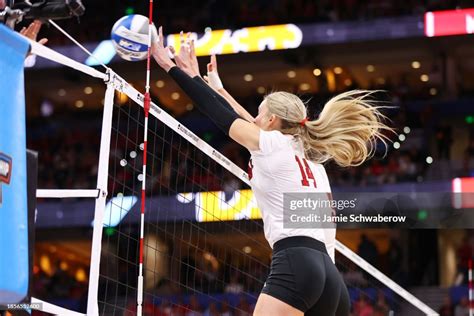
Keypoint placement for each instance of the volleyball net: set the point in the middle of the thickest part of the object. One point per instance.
(204, 246)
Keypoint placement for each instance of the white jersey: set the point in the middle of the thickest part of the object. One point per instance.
(275, 169)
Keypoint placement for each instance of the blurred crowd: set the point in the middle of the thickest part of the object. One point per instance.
(450, 308)
(464, 254)
(190, 16)
(60, 288)
(68, 149)
(232, 289)
(200, 289)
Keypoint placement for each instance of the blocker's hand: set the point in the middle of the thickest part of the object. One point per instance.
(193, 57)
(186, 59)
(212, 66)
(212, 77)
(32, 32)
(160, 53)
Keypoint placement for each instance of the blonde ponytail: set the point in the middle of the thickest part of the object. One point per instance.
(346, 130)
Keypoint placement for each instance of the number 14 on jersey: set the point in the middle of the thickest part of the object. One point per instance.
(306, 172)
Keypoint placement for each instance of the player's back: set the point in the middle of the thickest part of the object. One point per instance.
(279, 168)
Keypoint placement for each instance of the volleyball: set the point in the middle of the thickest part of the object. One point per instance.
(130, 37)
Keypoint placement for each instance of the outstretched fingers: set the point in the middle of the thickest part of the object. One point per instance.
(160, 53)
(192, 50)
(214, 62)
(172, 50)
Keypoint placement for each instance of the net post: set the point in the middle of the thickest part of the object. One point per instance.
(102, 179)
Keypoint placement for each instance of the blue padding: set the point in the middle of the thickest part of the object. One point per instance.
(13, 210)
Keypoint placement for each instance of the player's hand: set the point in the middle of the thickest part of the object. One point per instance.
(212, 77)
(192, 56)
(32, 32)
(212, 66)
(186, 59)
(160, 53)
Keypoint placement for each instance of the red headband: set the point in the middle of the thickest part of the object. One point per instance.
(303, 121)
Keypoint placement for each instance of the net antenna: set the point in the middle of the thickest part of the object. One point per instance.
(146, 108)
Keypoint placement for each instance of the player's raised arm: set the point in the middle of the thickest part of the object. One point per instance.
(161, 54)
(216, 108)
(187, 61)
(215, 82)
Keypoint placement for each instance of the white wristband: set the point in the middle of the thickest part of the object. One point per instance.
(214, 80)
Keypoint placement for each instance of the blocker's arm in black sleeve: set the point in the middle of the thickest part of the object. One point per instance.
(215, 107)
(223, 101)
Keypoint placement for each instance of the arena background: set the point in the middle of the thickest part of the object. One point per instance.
(386, 45)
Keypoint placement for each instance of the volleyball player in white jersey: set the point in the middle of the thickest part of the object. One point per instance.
(287, 151)
(277, 157)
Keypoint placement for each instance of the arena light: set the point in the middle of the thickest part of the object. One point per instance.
(175, 96)
(249, 39)
(129, 10)
(122, 98)
(88, 90)
(463, 193)
(80, 275)
(116, 209)
(79, 104)
(248, 77)
(241, 205)
(449, 22)
(103, 53)
(415, 64)
(63, 266)
(317, 72)
(305, 86)
(46, 108)
(338, 70)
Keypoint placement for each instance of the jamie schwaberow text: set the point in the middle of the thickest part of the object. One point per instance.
(352, 218)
